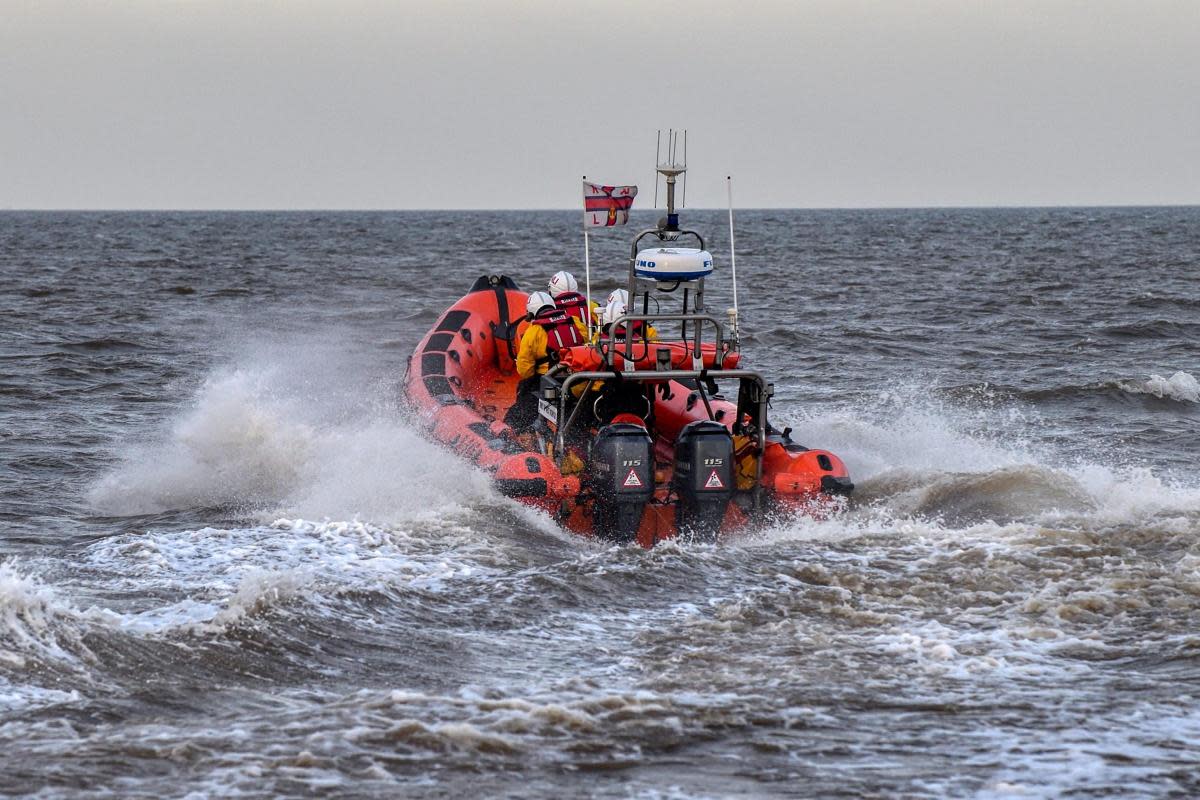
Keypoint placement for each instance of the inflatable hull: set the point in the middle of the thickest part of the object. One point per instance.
(461, 381)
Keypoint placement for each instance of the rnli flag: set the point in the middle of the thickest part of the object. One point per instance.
(605, 206)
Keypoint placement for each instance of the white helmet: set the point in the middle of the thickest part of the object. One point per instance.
(537, 301)
(618, 296)
(563, 281)
(612, 312)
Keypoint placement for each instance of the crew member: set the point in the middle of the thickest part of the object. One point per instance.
(565, 291)
(550, 330)
(620, 396)
(745, 459)
(616, 296)
(618, 299)
(642, 331)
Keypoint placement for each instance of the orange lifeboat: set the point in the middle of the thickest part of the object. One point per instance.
(678, 458)
(632, 440)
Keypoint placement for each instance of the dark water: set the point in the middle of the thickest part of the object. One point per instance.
(228, 566)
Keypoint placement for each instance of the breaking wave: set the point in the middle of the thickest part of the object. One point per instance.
(915, 458)
(43, 643)
(32, 621)
(287, 438)
(1181, 386)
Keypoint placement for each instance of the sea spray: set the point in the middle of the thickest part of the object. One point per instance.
(252, 442)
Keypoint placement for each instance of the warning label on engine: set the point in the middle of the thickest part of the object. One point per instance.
(714, 481)
(632, 479)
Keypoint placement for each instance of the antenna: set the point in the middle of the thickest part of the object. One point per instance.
(670, 169)
(683, 202)
(657, 150)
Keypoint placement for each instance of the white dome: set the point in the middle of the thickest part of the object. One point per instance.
(673, 263)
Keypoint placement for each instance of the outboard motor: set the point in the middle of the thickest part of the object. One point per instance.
(703, 479)
(621, 478)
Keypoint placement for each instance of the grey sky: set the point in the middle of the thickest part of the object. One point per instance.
(353, 104)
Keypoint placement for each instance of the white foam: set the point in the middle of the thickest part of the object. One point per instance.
(236, 444)
(262, 437)
(257, 591)
(287, 434)
(1180, 386)
(907, 429)
(386, 472)
(1119, 753)
(32, 620)
(967, 652)
(26, 697)
(42, 639)
(229, 575)
(913, 457)
(1134, 495)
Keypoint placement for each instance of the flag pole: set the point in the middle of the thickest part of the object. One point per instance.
(587, 273)
(732, 257)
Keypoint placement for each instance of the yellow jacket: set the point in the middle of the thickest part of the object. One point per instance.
(745, 459)
(533, 348)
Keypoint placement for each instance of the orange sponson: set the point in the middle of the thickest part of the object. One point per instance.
(534, 477)
(682, 405)
(461, 380)
(800, 476)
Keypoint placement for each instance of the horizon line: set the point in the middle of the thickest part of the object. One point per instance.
(350, 209)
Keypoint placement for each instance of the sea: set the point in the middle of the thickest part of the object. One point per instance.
(231, 564)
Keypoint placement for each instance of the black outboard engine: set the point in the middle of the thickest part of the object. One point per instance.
(621, 478)
(703, 479)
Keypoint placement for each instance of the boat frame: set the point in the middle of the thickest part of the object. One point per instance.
(674, 379)
(557, 383)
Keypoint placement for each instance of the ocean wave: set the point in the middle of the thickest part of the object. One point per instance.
(1152, 329)
(906, 427)
(268, 442)
(257, 592)
(289, 440)
(90, 345)
(229, 575)
(1181, 386)
(913, 456)
(234, 448)
(33, 619)
(44, 643)
(1024, 492)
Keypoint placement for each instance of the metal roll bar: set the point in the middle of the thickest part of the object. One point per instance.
(630, 337)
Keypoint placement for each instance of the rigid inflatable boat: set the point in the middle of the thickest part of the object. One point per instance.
(636, 439)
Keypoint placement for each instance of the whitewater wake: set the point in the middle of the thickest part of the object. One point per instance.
(257, 441)
(283, 438)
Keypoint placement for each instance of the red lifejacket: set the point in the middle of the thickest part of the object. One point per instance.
(574, 304)
(560, 331)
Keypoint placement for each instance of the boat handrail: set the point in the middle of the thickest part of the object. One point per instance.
(664, 375)
(630, 337)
